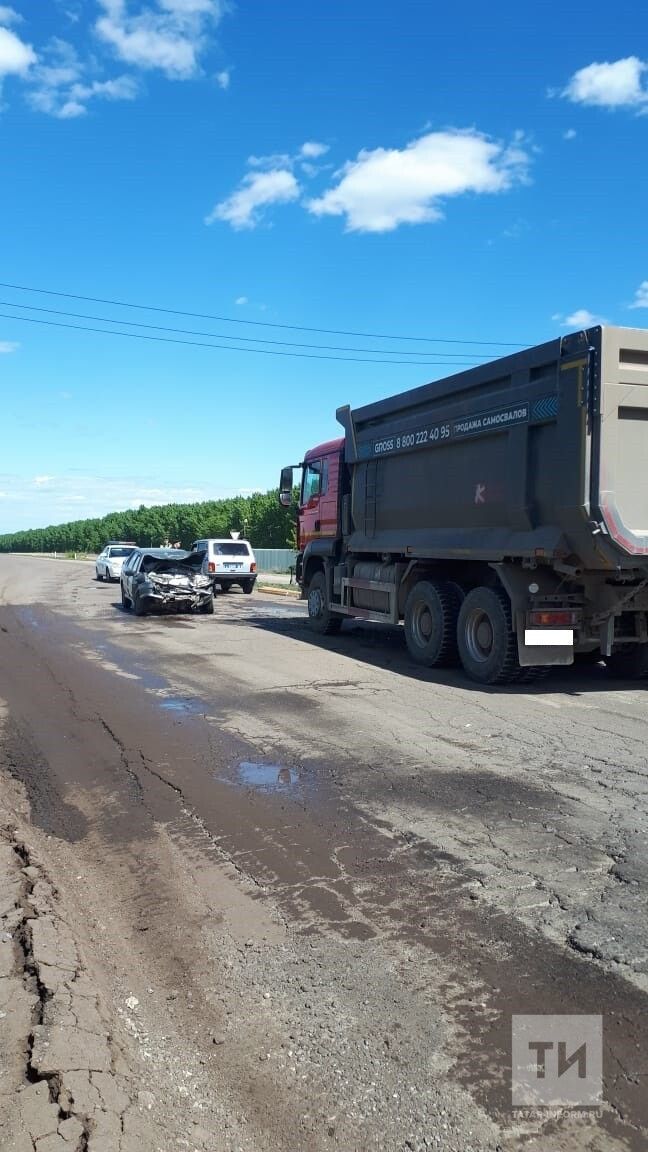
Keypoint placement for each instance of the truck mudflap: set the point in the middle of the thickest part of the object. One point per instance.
(545, 646)
(543, 622)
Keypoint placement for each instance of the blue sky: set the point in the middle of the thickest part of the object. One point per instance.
(315, 183)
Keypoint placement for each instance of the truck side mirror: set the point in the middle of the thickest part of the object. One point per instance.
(286, 487)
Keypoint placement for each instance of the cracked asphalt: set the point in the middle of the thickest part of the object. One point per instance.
(267, 891)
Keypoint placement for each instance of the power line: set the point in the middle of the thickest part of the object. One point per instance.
(229, 347)
(259, 323)
(240, 339)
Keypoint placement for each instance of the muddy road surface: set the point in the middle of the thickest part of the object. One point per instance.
(270, 893)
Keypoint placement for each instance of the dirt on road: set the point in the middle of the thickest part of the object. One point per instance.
(265, 892)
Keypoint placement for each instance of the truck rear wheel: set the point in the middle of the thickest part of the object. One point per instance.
(322, 619)
(487, 644)
(630, 663)
(430, 622)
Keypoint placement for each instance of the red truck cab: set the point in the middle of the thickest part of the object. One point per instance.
(320, 490)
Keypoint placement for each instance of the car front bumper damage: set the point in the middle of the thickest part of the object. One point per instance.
(169, 591)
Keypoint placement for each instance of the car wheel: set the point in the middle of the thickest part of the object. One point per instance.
(124, 599)
(247, 586)
(99, 576)
(225, 587)
(207, 608)
(139, 608)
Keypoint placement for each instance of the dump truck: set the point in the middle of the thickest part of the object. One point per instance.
(499, 514)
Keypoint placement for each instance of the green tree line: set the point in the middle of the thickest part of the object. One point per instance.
(259, 517)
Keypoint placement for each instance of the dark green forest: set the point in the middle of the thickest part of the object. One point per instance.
(260, 518)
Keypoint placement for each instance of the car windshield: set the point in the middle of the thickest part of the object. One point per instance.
(172, 560)
(231, 549)
(123, 552)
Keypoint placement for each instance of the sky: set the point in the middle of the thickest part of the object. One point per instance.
(220, 221)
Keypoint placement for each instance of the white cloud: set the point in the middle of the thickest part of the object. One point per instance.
(641, 296)
(308, 151)
(190, 7)
(58, 87)
(43, 481)
(616, 85)
(241, 300)
(223, 79)
(311, 150)
(169, 36)
(570, 134)
(581, 318)
(15, 56)
(273, 161)
(384, 188)
(8, 16)
(121, 88)
(7, 346)
(258, 190)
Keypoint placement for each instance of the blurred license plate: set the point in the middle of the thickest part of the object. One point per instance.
(232, 565)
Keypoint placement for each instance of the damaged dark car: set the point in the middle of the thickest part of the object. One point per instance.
(165, 580)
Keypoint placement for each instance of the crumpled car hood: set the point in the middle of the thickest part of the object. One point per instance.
(175, 581)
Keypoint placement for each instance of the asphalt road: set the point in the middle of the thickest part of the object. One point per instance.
(286, 893)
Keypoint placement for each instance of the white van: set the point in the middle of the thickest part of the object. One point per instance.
(229, 562)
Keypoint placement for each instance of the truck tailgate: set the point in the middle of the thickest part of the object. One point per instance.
(619, 482)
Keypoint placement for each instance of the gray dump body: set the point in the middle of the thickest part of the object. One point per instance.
(542, 454)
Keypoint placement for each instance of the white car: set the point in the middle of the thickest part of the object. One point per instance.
(110, 562)
(228, 562)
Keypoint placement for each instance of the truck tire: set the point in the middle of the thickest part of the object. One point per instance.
(430, 622)
(485, 639)
(630, 663)
(322, 620)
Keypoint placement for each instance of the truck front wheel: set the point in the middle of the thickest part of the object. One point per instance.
(322, 619)
(487, 644)
(430, 622)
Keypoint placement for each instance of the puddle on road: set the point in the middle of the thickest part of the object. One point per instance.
(28, 617)
(182, 704)
(264, 777)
